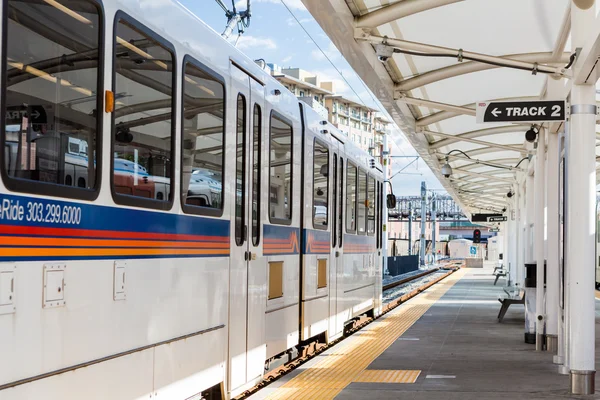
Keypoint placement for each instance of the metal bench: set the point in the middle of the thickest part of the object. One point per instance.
(509, 300)
(499, 272)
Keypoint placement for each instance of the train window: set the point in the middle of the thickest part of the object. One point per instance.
(280, 170)
(335, 201)
(256, 142)
(202, 147)
(351, 198)
(320, 185)
(371, 206)
(240, 169)
(52, 77)
(341, 204)
(143, 118)
(362, 202)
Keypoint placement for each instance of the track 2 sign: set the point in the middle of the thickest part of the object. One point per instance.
(520, 111)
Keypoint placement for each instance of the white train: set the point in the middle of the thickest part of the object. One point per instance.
(172, 219)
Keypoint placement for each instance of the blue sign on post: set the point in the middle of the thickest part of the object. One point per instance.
(473, 250)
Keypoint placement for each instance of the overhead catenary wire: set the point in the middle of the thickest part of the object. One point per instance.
(321, 50)
(223, 6)
(339, 71)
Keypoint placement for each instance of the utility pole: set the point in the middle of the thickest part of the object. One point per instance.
(410, 217)
(423, 221)
(384, 244)
(433, 221)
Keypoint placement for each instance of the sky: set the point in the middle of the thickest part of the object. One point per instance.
(276, 35)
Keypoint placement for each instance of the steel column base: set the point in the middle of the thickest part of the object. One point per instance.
(583, 382)
(539, 342)
(529, 338)
(558, 360)
(552, 343)
(564, 370)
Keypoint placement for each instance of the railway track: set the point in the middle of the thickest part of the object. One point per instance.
(315, 348)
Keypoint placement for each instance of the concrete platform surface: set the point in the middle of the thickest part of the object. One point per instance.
(458, 346)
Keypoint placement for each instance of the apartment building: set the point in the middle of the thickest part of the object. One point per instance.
(355, 120)
(360, 123)
(305, 85)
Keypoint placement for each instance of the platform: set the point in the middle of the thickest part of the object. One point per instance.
(444, 344)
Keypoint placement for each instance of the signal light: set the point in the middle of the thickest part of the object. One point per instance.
(476, 236)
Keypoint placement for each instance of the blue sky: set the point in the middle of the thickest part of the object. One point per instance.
(275, 36)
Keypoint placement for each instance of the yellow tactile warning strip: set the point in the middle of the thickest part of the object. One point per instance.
(329, 376)
(388, 376)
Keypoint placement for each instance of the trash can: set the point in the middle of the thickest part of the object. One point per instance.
(530, 300)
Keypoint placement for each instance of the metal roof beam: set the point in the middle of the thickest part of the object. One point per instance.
(482, 175)
(479, 165)
(459, 53)
(436, 105)
(484, 163)
(474, 66)
(443, 115)
(475, 141)
(398, 10)
(480, 132)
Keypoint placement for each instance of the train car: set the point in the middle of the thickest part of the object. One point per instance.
(220, 226)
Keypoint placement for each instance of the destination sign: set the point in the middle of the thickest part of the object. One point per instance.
(520, 111)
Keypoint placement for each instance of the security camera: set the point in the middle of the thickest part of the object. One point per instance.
(384, 52)
(509, 194)
(531, 134)
(446, 169)
(504, 209)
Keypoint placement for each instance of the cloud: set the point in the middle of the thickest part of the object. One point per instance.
(249, 41)
(292, 4)
(331, 52)
(292, 21)
(287, 59)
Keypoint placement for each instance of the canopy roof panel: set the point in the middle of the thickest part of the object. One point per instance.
(445, 60)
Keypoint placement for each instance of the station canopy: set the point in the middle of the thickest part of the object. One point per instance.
(432, 82)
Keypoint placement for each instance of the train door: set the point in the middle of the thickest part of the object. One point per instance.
(336, 239)
(338, 256)
(246, 309)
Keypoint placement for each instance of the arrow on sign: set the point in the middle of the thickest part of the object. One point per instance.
(496, 112)
(35, 114)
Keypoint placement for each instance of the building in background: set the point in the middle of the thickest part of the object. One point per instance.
(360, 123)
(355, 120)
(305, 86)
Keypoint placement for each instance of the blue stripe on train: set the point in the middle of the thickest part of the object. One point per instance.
(16, 210)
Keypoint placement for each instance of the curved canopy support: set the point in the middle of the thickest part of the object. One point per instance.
(480, 142)
(503, 163)
(478, 133)
(473, 66)
(443, 115)
(398, 10)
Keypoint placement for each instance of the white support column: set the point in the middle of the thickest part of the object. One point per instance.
(539, 198)
(552, 272)
(581, 206)
(520, 209)
(529, 217)
(511, 238)
(561, 357)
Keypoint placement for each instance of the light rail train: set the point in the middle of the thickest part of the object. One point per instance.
(173, 221)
